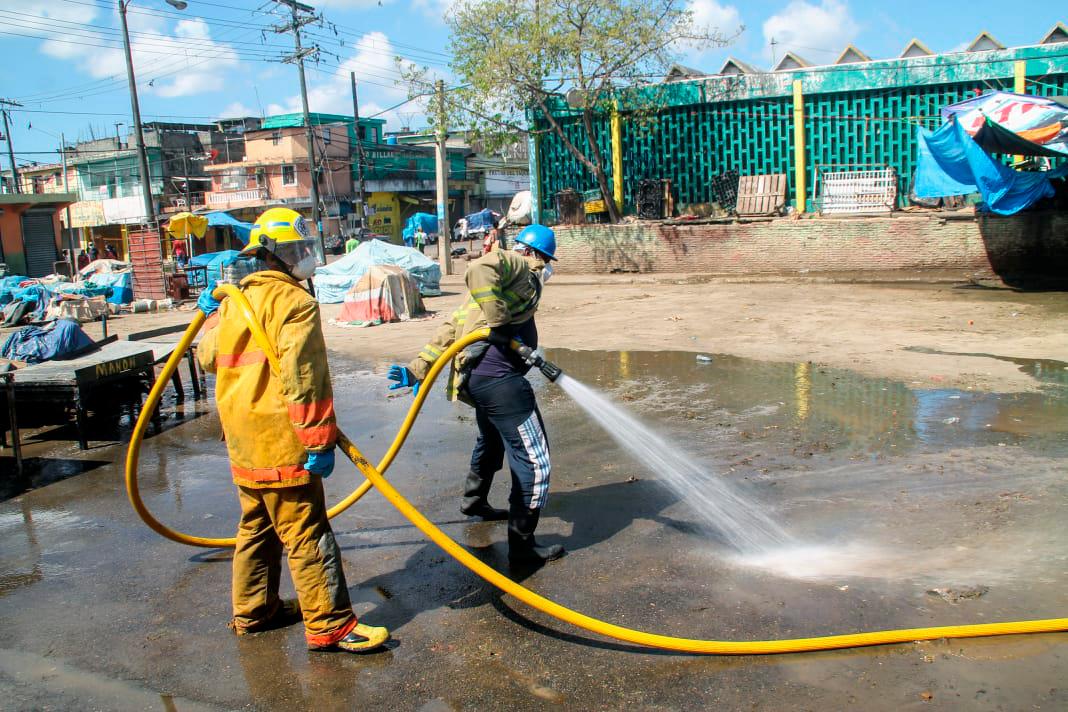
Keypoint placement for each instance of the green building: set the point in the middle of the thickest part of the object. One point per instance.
(798, 120)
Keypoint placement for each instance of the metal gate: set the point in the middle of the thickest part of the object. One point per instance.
(39, 242)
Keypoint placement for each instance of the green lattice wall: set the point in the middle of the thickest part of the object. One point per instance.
(691, 143)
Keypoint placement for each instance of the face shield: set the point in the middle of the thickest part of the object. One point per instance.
(302, 256)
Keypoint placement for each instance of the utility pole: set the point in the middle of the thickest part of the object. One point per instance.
(361, 196)
(185, 175)
(444, 231)
(4, 104)
(66, 189)
(302, 15)
(139, 138)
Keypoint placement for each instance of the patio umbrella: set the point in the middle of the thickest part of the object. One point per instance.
(182, 225)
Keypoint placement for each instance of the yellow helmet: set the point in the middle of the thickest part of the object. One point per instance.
(284, 233)
(277, 226)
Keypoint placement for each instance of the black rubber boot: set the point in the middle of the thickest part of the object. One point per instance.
(475, 504)
(522, 547)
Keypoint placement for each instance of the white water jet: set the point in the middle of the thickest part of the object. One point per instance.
(743, 523)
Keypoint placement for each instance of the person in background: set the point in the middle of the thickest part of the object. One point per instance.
(351, 244)
(180, 255)
(83, 260)
(492, 240)
(109, 252)
(94, 253)
(420, 238)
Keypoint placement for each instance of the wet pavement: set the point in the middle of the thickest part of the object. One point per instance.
(892, 489)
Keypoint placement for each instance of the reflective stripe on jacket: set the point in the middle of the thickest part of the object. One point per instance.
(270, 422)
(504, 288)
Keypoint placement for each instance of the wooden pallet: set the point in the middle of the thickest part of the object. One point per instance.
(761, 195)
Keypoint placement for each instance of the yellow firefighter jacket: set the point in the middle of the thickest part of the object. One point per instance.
(504, 288)
(270, 421)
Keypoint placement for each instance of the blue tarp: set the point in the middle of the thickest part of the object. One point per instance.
(8, 287)
(218, 218)
(215, 262)
(120, 283)
(334, 280)
(950, 162)
(428, 221)
(481, 221)
(35, 344)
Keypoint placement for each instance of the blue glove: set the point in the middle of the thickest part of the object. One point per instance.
(403, 378)
(207, 303)
(320, 463)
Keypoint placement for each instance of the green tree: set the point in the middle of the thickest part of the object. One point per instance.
(517, 59)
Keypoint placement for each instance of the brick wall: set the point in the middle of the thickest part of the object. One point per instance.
(1023, 245)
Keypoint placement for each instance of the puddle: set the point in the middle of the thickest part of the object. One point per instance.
(823, 408)
(1045, 371)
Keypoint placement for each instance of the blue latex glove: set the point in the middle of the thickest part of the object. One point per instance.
(207, 303)
(403, 378)
(320, 463)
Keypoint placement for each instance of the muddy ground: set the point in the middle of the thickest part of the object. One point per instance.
(915, 459)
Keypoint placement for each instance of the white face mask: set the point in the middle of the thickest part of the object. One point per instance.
(306, 267)
(547, 273)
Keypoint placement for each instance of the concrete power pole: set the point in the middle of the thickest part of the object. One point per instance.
(66, 189)
(139, 137)
(361, 196)
(4, 104)
(444, 229)
(302, 15)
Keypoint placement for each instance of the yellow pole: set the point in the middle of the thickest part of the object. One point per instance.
(1019, 85)
(617, 157)
(799, 147)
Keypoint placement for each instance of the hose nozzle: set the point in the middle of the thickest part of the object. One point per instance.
(548, 369)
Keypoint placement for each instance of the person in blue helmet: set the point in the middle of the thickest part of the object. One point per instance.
(505, 289)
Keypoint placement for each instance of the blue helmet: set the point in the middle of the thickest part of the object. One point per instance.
(540, 238)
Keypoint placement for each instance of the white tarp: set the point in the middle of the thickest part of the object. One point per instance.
(334, 280)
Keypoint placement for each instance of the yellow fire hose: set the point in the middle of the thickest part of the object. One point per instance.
(375, 479)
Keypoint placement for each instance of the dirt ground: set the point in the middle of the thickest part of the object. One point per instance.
(948, 333)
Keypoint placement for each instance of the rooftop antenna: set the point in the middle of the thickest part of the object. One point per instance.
(773, 43)
(259, 103)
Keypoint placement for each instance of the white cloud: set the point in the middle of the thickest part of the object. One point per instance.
(710, 15)
(434, 9)
(714, 18)
(237, 109)
(803, 26)
(373, 61)
(183, 61)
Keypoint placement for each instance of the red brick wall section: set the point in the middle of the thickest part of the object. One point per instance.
(1035, 243)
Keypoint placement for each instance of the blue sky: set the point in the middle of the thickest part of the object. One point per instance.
(62, 58)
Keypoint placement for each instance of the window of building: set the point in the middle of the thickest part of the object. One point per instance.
(289, 175)
(362, 133)
(326, 135)
(234, 179)
(261, 178)
(276, 138)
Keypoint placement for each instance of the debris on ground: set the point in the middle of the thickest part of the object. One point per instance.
(956, 595)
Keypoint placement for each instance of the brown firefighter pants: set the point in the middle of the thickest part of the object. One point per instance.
(294, 518)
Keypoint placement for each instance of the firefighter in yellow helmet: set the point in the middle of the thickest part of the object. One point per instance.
(280, 433)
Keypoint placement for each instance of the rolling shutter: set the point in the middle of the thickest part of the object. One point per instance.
(39, 242)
